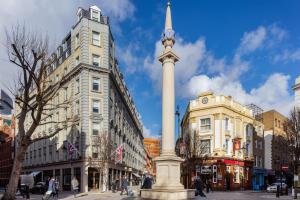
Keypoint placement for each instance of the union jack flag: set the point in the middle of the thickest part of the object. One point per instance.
(119, 154)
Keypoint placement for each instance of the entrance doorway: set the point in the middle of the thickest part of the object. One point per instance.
(93, 179)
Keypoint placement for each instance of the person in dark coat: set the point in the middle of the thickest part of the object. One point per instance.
(147, 183)
(124, 185)
(199, 187)
(208, 185)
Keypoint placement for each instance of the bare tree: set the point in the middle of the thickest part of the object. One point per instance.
(195, 151)
(101, 157)
(292, 127)
(33, 92)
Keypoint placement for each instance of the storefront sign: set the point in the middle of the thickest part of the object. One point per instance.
(206, 169)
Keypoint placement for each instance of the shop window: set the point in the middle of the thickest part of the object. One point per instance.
(236, 178)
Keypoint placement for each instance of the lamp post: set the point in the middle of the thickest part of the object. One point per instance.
(177, 113)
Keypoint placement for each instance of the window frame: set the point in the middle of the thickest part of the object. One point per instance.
(97, 63)
(96, 41)
(94, 128)
(96, 80)
(202, 125)
(93, 108)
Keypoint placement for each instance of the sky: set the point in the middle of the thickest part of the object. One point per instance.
(248, 49)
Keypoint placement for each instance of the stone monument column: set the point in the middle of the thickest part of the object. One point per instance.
(168, 184)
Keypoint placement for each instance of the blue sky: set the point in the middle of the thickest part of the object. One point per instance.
(249, 49)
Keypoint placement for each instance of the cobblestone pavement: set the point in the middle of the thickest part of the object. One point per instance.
(244, 195)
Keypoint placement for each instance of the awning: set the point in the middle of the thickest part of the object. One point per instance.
(136, 175)
(35, 173)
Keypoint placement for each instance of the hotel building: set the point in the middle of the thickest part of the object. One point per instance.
(100, 104)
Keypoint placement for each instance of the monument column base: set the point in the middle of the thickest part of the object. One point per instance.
(168, 184)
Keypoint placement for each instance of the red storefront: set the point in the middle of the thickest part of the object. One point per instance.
(224, 173)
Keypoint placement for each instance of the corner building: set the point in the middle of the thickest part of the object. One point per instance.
(223, 129)
(100, 104)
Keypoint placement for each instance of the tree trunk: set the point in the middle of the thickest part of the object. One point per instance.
(10, 193)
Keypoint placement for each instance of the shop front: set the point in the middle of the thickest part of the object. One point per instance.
(258, 178)
(222, 173)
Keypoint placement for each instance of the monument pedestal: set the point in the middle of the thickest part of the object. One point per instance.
(168, 184)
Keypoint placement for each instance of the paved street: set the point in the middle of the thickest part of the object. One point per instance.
(245, 195)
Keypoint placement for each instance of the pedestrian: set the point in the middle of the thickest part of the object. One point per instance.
(199, 187)
(124, 185)
(55, 187)
(50, 190)
(75, 186)
(26, 194)
(147, 183)
(208, 185)
(113, 185)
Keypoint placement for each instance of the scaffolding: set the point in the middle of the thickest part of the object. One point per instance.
(256, 111)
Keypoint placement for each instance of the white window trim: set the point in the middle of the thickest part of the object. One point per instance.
(95, 56)
(99, 38)
(99, 84)
(200, 124)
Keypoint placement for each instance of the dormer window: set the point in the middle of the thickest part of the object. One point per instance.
(95, 15)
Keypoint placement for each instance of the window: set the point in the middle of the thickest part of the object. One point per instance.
(205, 146)
(77, 40)
(77, 61)
(30, 155)
(205, 124)
(96, 106)
(94, 151)
(40, 152)
(227, 146)
(77, 86)
(50, 152)
(34, 154)
(96, 128)
(66, 94)
(275, 122)
(77, 107)
(65, 71)
(96, 84)
(96, 38)
(45, 153)
(226, 124)
(95, 15)
(56, 78)
(96, 60)
(236, 178)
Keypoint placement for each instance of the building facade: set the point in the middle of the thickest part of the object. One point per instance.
(153, 147)
(221, 141)
(276, 148)
(7, 135)
(100, 104)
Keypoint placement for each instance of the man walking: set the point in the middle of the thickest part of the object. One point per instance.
(124, 185)
(199, 187)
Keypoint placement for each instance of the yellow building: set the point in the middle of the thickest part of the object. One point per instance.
(221, 140)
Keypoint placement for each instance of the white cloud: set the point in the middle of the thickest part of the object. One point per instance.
(199, 70)
(272, 94)
(288, 55)
(252, 40)
(146, 132)
(54, 18)
(190, 57)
